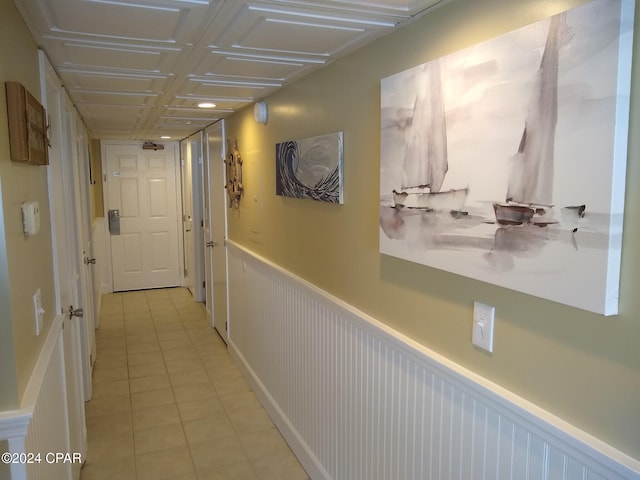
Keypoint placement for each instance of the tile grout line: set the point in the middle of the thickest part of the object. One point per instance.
(190, 323)
(184, 433)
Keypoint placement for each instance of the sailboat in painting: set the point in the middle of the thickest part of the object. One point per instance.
(425, 162)
(530, 188)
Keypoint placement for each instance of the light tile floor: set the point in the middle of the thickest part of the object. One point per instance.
(168, 401)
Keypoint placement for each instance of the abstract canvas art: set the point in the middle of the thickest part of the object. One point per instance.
(311, 168)
(505, 162)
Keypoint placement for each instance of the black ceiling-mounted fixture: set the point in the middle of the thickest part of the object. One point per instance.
(152, 146)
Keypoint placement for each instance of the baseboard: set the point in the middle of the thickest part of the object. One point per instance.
(297, 444)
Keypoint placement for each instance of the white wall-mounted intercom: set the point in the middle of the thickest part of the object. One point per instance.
(30, 217)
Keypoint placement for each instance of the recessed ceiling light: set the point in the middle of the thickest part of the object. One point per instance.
(206, 105)
(166, 137)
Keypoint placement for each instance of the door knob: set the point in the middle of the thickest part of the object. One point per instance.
(211, 244)
(77, 312)
(89, 261)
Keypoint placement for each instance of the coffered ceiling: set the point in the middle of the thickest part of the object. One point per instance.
(137, 69)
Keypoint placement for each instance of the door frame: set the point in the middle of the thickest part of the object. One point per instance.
(197, 146)
(192, 183)
(206, 232)
(211, 157)
(105, 199)
(67, 268)
(79, 157)
(186, 210)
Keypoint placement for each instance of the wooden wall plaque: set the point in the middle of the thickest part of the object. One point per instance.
(27, 126)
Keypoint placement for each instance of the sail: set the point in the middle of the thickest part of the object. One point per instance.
(425, 162)
(531, 178)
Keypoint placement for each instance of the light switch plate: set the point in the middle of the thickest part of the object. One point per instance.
(483, 319)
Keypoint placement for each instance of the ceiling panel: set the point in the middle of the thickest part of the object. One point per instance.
(135, 99)
(177, 120)
(232, 63)
(136, 69)
(105, 82)
(403, 8)
(112, 56)
(228, 91)
(111, 119)
(153, 21)
(299, 38)
(126, 113)
(187, 106)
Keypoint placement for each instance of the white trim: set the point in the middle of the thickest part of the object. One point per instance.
(14, 423)
(107, 275)
(561, 437)
(197, 192)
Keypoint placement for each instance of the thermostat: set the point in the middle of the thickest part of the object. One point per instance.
(30, 218)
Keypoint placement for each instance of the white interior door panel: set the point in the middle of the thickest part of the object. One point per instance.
(142, 188)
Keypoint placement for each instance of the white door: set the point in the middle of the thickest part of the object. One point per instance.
(193, 215)
(206, 232)
(71, 337)
(197, 188)
(187, 215)
(78, 155)
(66, 262)
(216, 241)
(142, 189)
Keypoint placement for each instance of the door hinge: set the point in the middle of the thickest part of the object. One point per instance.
(203, 285)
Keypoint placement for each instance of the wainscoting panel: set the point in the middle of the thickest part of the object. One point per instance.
(357, 400)
(48, 431)
(40, 427)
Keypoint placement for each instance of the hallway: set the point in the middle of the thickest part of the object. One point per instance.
(168, 401)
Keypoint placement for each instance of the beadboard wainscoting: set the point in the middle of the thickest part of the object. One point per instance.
(40, 428)
(358, 400)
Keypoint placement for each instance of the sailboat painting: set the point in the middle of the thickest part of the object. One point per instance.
(505, 162)
(425, 162)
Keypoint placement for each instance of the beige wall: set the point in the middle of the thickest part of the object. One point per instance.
(97, 202)
(583, 367)
(29, 263)
(4, 467)
(8, 391)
